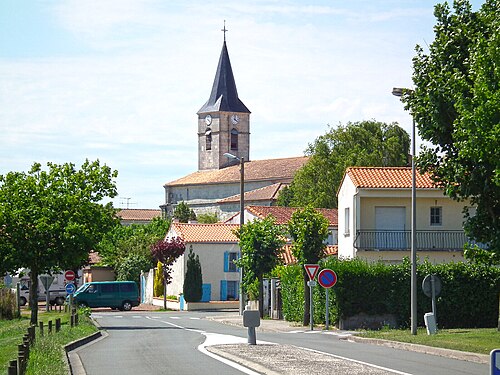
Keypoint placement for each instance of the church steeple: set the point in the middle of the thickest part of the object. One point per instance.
(223, 121)
(224, 96)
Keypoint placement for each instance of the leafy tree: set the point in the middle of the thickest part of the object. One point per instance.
(167, 251)
(183, 213)
(193, 282)
(131, 267)
(51, 219)
(124, 243)
(208, 218)
(309, 231)
(456, 105)
(260, 243)
(365, 143)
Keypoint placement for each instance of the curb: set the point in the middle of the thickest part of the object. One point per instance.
(74, 363)
(449, 353)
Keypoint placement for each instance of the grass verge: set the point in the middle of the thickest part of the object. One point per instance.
(47, 355)
(482, 340)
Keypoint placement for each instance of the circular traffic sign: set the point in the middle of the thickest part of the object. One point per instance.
(70, 288)
(69, 275)
(427, 285)
(327, 278)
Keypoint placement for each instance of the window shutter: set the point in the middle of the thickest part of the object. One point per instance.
(223, 290)
(226, 261)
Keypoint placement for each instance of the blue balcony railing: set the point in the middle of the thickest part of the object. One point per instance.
(401, 240)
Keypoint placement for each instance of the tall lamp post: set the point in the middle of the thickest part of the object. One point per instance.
(242, 217)
(397, 91)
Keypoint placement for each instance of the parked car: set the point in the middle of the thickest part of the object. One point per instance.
(122, 295)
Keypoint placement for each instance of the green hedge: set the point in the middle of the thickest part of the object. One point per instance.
(469, 296)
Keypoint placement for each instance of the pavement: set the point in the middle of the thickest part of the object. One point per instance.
(273, 359)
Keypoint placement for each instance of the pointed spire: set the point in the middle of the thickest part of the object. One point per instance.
(224, 96)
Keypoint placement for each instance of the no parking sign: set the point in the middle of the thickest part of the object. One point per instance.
(327, 278)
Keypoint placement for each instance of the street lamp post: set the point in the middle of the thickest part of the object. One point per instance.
(242, 217)
(399, 92)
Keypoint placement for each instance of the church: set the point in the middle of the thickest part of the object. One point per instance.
(223, 145)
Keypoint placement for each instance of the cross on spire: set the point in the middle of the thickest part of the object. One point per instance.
(224, 30)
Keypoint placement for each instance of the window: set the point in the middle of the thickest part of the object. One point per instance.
(436, 215)
(208, 141)
(127, 287)
(346, 221)
(232, 290)
(229, 258)
(109, 288)
(234, 139)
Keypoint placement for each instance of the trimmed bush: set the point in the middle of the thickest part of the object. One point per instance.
(469, 296)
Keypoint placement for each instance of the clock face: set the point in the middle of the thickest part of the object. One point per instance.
(235, 119)
(208, 119)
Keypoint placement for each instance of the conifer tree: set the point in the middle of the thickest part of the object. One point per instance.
(193, 281)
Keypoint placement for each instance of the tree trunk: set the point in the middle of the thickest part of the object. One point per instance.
(164, 294)
(307, 306)
(34, 297)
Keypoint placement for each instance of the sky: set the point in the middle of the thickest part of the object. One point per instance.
(121, 80)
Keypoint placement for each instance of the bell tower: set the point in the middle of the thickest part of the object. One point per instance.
(223, 121)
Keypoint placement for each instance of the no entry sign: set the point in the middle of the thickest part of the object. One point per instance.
(69, 275)
(327, 278)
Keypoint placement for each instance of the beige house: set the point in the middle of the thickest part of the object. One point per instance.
(217, 247)
(374, 206)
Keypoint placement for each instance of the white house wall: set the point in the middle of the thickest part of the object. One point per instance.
(346, 200)
(212, 267)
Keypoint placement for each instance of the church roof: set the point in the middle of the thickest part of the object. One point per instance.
(266, 193)
(224, 96)
(256, 170)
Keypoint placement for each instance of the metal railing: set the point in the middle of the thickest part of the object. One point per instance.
(438, 240)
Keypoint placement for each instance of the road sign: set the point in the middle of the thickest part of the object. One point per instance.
(70, 288)
(311, 283)
(495, 361)
(312, 270)
(69, 275)
(427, 285)
(46, 281)
(327, 278)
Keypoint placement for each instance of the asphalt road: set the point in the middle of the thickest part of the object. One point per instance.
(173, 343)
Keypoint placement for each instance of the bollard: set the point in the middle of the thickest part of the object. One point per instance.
(76, 319)
(40, 325)
(20, 359)
(72, 319)
(31, 334)
(251, 319)
(12, 368)
(26, 349)
(50, 326)
(58, 324)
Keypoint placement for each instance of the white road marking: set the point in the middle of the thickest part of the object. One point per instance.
(215, 339)
(174, 317)
(195, 318)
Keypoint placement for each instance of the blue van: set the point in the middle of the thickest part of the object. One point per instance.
(122, 295)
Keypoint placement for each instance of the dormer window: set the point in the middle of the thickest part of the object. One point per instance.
(234, 139)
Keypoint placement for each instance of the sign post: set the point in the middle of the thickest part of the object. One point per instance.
(312, 270)
(46, 282)
(327, 278)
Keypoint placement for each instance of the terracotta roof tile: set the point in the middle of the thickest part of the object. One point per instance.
(269, 169)
(388, 178)
(206, 233)
(284, 214)
(288, 258)
(266, 193)
(138, 214)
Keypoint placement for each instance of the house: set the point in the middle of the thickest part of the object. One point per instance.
(130, 216)
(374, 223)
(223, 127)
(282, 215)
(217, 247)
